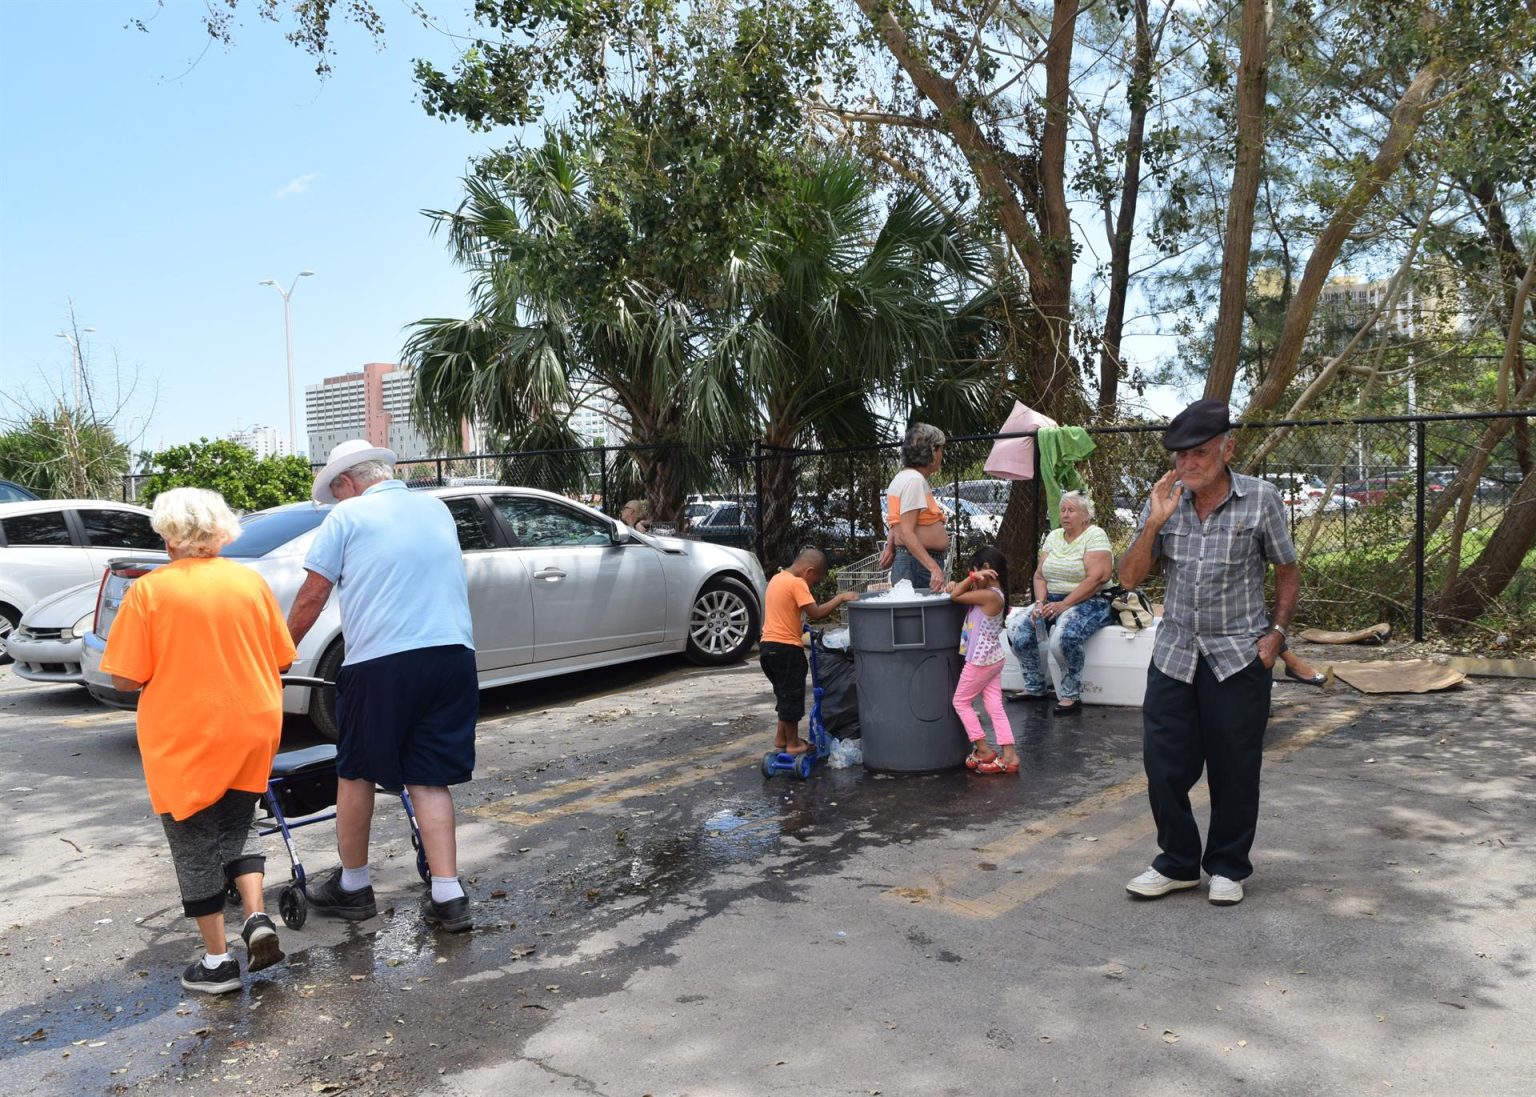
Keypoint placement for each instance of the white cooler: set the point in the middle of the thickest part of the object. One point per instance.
(1114, 667)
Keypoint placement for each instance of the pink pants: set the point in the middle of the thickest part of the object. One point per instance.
(987, 681)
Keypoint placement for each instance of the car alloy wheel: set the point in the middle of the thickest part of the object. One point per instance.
(722, 624)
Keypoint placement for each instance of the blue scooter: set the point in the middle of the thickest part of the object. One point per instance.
(802, 765)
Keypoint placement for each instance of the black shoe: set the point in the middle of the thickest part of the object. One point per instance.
(452, 916)
(261, 947)
(1068, 710)
(1318, 679)
(212, 980)
(329, 897)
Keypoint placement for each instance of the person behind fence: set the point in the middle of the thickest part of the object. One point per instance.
(636, 514)
(781, 651)
(982, 590)
(1217, 532)
(1076, 563)
(204, 641)
(918, 543)
(407, 696)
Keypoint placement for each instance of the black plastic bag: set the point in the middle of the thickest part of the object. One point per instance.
(840, 693)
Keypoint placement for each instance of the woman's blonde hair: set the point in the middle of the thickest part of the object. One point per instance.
(641, 507)
(194, 521)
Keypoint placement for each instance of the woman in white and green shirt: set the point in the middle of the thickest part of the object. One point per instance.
(1076, 563)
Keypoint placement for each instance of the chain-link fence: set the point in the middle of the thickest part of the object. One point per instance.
(1369, 504)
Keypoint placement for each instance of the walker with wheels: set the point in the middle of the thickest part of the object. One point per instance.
(803, 765)
(302, 790)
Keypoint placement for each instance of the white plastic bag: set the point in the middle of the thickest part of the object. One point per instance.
(835, 639)
(845, 753)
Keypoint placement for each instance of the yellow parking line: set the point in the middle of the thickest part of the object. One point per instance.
(708, 761)
(948, 893)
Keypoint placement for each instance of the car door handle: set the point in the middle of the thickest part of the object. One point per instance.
(549, 574)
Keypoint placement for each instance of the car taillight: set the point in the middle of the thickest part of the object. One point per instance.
(96, 614)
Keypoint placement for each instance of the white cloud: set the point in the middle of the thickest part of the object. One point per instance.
(296, 186)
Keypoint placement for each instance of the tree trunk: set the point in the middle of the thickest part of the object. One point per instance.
(1479, 586)
(1406, 117)
(1252, 86)
(779, 483)
(1125, 220)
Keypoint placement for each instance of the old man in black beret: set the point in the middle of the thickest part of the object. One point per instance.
(1216, 533)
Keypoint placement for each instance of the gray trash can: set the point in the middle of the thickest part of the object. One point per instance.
(907, 658)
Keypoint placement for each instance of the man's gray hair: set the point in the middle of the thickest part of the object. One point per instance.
(918, 446)
(367, 472)
(1081, 499)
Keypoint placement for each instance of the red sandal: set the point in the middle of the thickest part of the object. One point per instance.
(995, 764)
(975, 761)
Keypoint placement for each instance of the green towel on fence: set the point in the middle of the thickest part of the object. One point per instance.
(1061, 448)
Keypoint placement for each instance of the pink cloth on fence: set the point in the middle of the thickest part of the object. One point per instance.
(1014, 458)
(988, 682)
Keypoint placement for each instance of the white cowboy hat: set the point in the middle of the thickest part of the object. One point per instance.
(343, 457)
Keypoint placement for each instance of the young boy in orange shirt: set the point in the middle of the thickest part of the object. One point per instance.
(781, 650)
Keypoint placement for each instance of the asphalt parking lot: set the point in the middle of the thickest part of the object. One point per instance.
(654, 918)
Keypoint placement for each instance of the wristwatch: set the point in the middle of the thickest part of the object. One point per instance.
(1281, 630)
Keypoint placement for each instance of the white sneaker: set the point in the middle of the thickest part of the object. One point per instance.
(1224, 892)
(1151, 884)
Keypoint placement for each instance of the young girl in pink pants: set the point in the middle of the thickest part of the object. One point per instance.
(982, 644)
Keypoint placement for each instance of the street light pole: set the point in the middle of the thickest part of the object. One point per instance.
(293, 436)
(74, 350)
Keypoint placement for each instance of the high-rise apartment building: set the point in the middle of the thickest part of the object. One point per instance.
(260, 440)
(598, 418)
(374, 404)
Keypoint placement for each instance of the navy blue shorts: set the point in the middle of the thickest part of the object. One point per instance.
(408, 718)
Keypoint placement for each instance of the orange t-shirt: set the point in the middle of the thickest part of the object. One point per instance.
(207, 637)
(787, 596)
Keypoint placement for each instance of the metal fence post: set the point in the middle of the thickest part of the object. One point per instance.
(1418, 535)
(602, 478)
(757, 517)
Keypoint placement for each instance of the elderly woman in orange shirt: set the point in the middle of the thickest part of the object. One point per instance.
(204, 639)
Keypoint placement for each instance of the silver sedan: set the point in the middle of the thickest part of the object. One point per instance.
(554, 587)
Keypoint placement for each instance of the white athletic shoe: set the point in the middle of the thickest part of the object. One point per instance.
(1151, 884)
(1224, 892)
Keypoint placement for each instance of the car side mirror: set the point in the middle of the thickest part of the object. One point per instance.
(622, 534)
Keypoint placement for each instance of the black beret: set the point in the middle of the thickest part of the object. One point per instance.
(1200, 422)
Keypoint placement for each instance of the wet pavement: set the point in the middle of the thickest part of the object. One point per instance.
(653, 917)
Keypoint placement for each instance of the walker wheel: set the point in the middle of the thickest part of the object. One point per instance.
(770, 763)
(804, 764)
(293, 906)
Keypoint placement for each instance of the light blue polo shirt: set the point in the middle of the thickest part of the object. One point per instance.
(394, 557)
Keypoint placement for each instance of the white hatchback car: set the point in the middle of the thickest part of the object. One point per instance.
(46, 645)
(49, 545)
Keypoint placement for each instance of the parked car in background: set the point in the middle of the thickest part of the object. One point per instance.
(1381, 487)
(46, 644)
(554, 587)
(1300, 491)
(49, 545)
(12, 492)
(733, 524)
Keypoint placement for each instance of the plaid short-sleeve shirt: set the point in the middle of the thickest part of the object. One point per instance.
(1214, 604)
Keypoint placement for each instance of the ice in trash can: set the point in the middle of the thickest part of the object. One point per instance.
(835, 639)
(845, 753)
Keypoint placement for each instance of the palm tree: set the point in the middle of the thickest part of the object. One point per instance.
(562, 302)
(837, 316)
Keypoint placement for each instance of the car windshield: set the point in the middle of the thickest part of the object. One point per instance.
(261, 533)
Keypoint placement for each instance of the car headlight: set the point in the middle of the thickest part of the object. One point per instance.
(81, 627)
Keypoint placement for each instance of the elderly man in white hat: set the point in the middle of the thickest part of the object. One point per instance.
(407, 695)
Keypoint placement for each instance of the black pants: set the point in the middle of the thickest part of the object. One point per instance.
(1218, 726)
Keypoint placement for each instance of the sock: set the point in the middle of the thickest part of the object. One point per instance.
(354, 879)
(445, 888)
(210, 961)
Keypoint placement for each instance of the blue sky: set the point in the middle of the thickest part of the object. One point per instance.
(155, 190)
